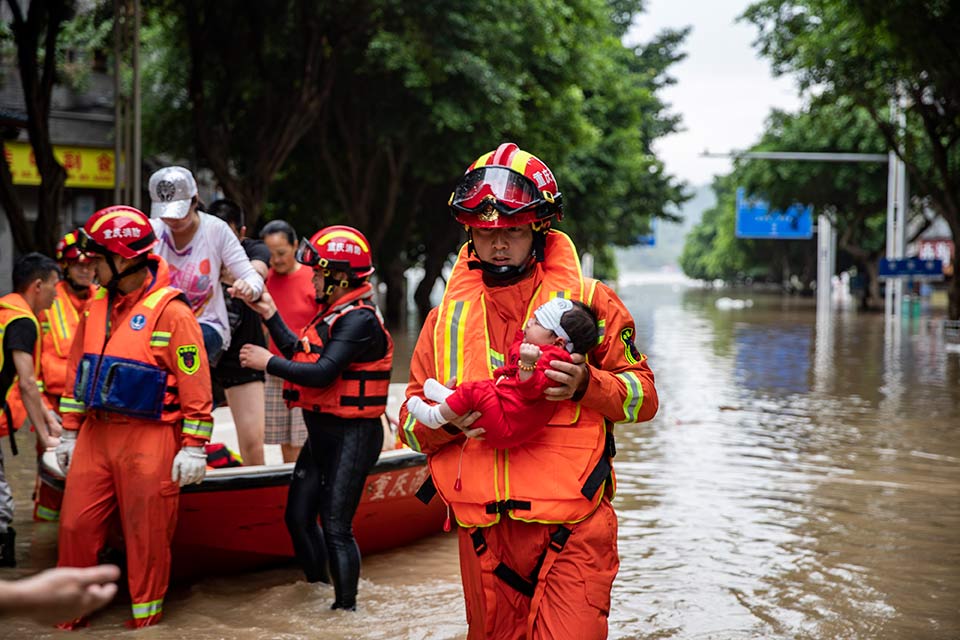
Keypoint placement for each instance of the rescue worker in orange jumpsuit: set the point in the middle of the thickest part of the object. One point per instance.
(538, 534)
(35, 278)
(136, 410)
(58, 325)
(338, 372)
(59, 322)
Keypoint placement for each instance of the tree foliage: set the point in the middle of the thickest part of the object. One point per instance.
(869, 51)
(412, 93)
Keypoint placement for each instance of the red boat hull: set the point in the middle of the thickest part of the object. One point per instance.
(233, 521)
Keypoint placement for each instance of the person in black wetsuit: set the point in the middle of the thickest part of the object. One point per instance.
(338, 372)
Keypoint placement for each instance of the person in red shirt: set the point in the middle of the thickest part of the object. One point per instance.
(136, 410)
(512, 405)
(291, 287)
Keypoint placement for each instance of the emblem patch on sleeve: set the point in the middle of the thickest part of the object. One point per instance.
(188, 358)
(629, 349)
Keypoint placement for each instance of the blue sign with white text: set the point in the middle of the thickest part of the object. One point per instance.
(650, 239)
(915, 268)
(756, 220)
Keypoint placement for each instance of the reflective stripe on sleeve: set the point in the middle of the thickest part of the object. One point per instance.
(634, 399)
(412, 441)
(198, 428)
(69, 405)
(160, 339)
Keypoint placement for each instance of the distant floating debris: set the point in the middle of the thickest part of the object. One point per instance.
(733, 303)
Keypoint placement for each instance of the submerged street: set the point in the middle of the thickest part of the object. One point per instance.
(800, 481)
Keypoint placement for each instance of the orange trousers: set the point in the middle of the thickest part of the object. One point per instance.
(123, 468)
(571, 596)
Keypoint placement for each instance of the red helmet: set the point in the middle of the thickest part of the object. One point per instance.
(337, 248)
(506, 188)
(119, 229)
(68, 248)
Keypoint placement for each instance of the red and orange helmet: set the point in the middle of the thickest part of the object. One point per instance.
(338, 248)
(68, 248)
(119, 229)
(506, 188)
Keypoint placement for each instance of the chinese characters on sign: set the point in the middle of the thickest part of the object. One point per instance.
(86, 167)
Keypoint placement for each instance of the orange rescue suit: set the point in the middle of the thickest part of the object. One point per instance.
(127, 442)
(362, 388)
(558, 540)
(59, 324)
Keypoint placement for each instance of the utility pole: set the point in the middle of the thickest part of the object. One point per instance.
(126, 107)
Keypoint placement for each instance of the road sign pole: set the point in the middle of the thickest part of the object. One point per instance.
(826, 260)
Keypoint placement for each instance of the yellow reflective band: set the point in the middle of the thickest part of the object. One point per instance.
(198, 428)
(42, 387)
(454, 332)
(497, 359)
(45, 326)
(160, 338)
(634, 399)
(342, 233)
(519, 162)
(412, 441)
(601, 329)
(69, 405)
(483, 160)
(154, 298)
(147, 609)
(99, 294)
(111, 216)
(49, 515)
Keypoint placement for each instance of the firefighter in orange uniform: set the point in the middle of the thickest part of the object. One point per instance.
(136, 410)
(59, 322)
(538, 534)
(58, 325)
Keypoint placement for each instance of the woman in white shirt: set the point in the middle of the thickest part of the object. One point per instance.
(196, 245)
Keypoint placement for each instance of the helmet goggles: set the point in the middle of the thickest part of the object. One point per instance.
(494, 188)
(308, 255)
(88, 246)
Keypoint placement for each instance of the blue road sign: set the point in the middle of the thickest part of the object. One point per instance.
(756, 220)
(650, 239)
(913, 268)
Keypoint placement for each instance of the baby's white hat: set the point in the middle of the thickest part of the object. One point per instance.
(549, 314)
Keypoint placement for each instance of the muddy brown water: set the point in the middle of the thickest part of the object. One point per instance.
(802, 480)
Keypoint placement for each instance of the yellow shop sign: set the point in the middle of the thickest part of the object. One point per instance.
(86, 167)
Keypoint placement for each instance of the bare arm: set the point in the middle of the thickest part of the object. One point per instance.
(48, 427)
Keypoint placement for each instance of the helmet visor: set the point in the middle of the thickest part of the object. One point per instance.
(504, 189)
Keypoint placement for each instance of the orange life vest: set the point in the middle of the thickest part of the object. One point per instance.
(361, 390)
(13, 306)
(60, 323)
(556, 477)
(123, 376)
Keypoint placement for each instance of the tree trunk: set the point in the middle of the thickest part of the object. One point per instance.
(37, 84)
(22, 238)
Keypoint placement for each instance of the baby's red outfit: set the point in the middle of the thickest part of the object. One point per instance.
(511, 411)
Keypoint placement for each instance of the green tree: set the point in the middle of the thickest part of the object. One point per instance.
(868, 50)
(852, 195)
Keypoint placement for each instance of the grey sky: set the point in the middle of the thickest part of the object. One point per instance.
(724, 92)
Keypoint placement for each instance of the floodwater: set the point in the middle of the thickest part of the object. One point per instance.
(802, 480)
